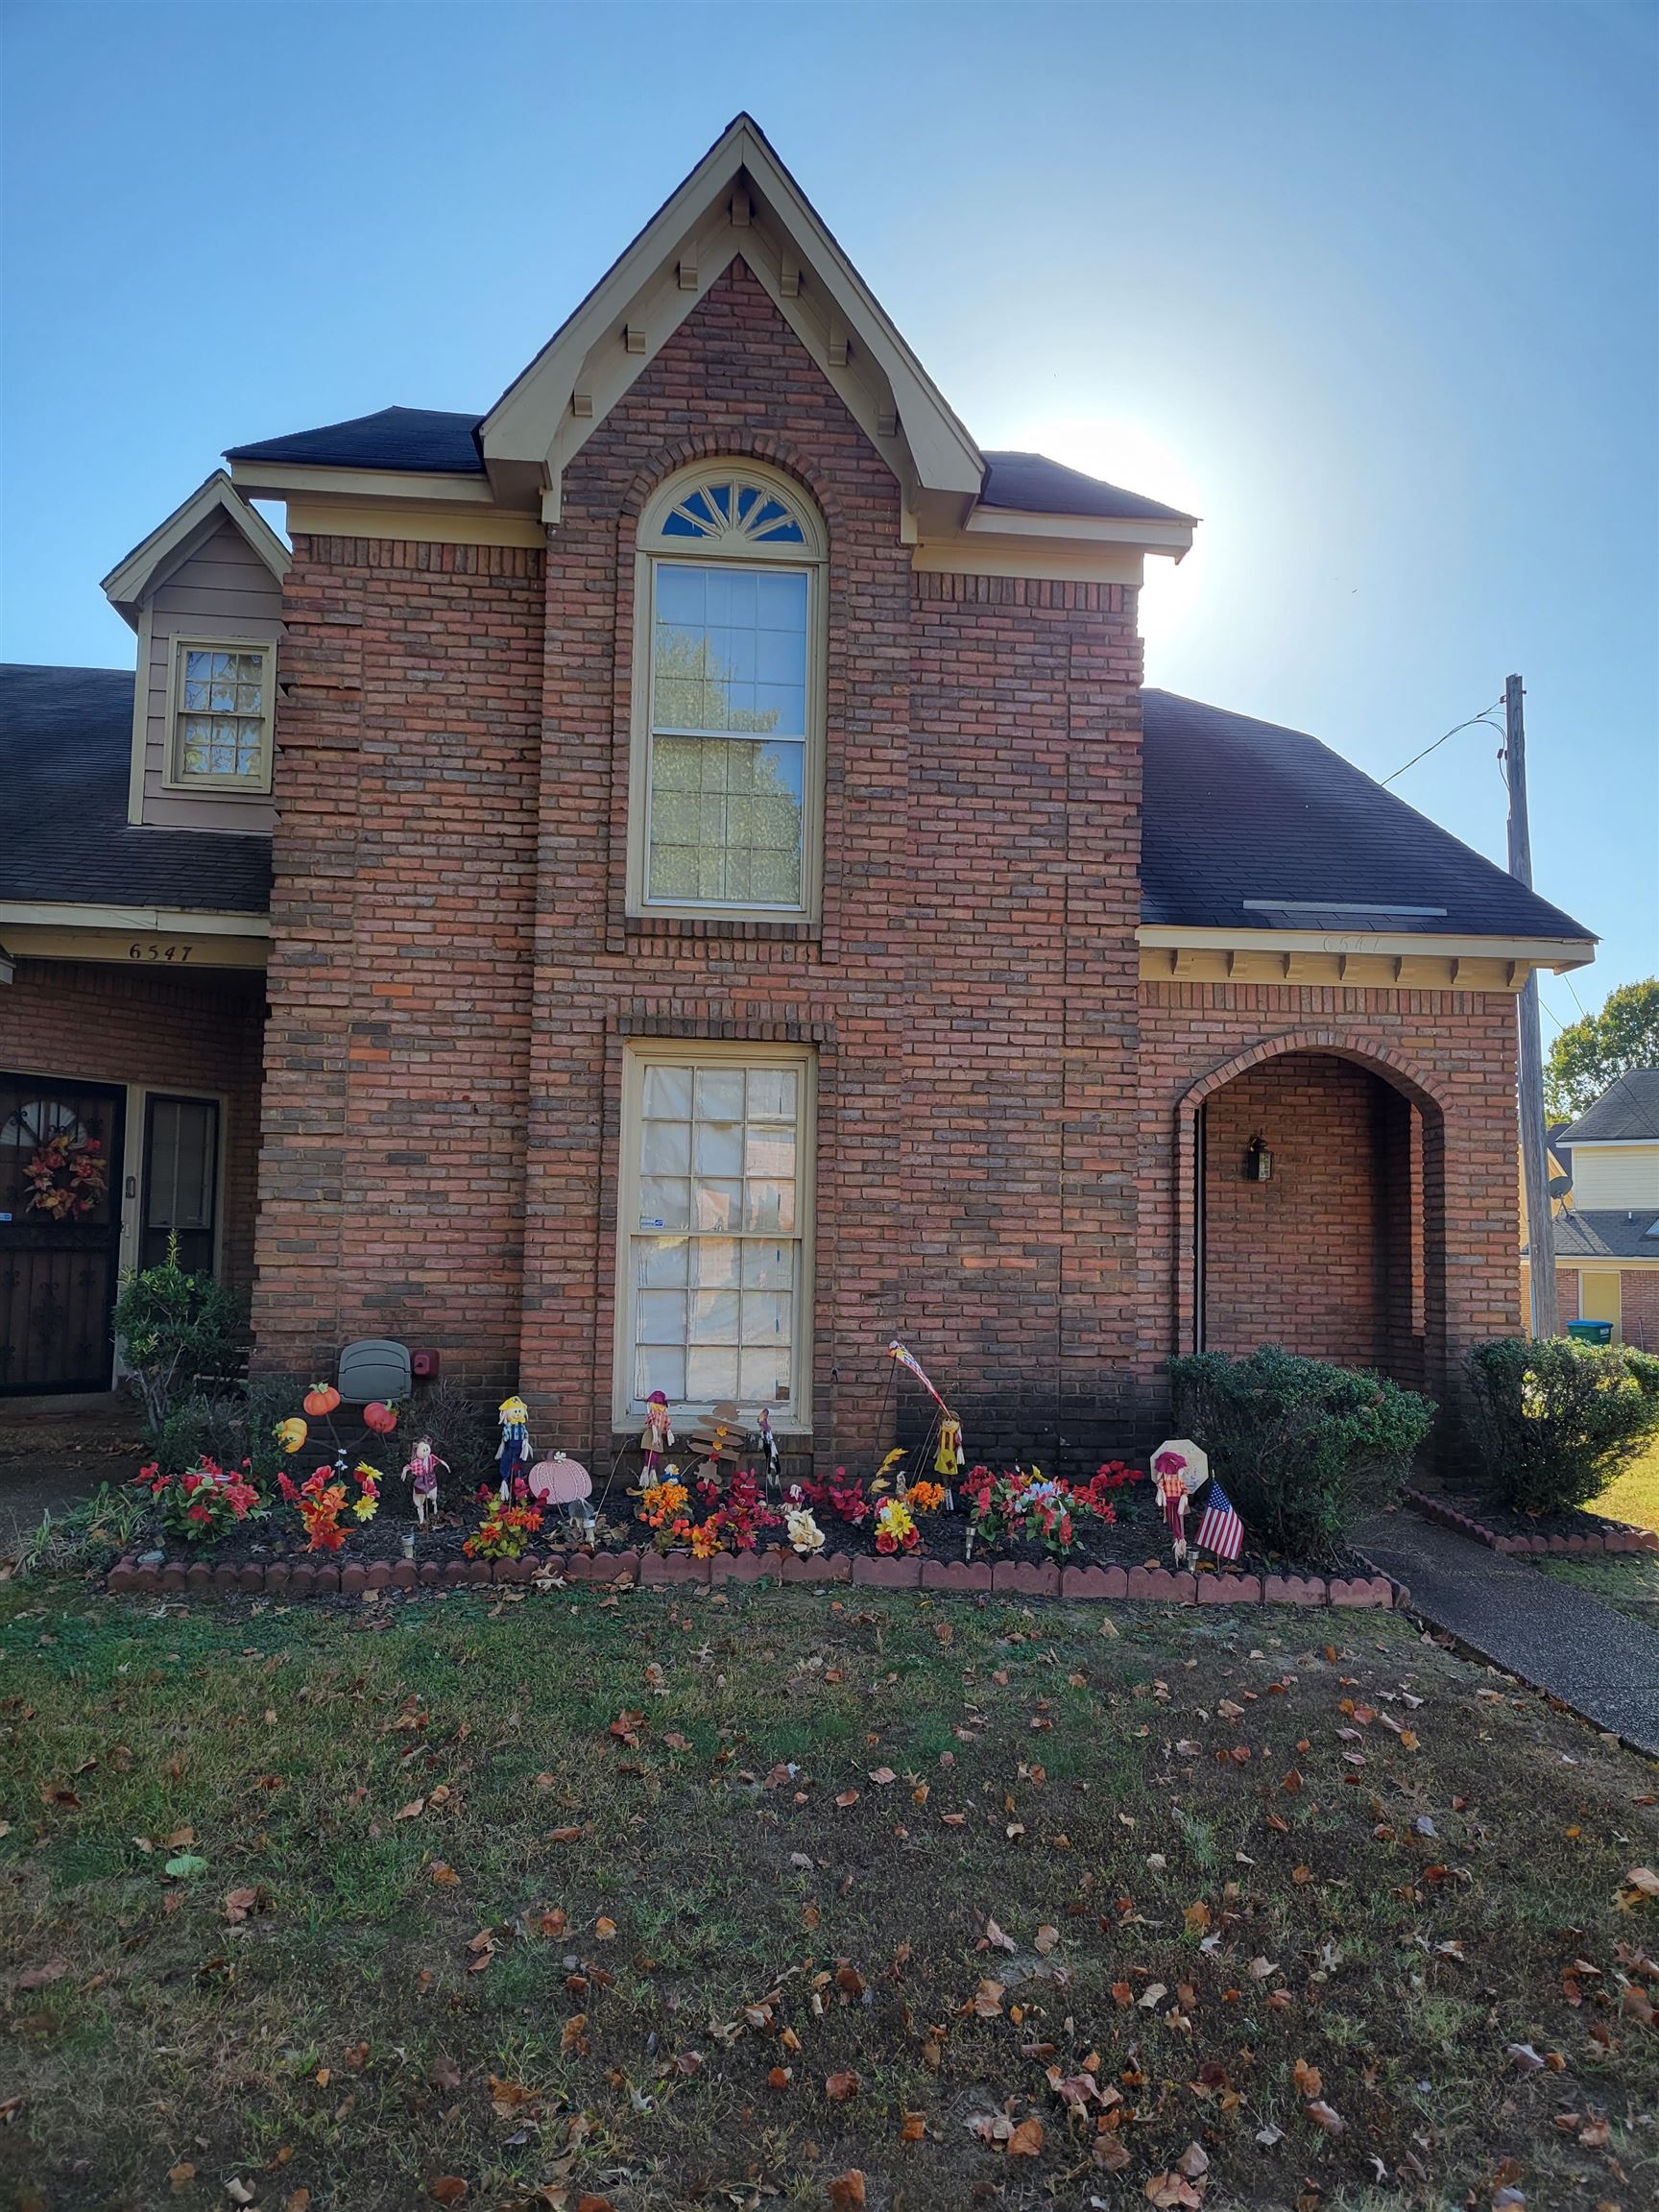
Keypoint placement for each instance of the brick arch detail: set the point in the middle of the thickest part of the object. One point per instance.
(727, 446)
(1392, 1067)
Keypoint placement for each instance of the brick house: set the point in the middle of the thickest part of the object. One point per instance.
(1605, 1205)
(732, 901)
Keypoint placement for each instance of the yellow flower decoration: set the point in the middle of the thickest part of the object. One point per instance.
(290, 1433)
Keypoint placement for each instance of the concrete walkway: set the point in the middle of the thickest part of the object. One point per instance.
(1556, 1637)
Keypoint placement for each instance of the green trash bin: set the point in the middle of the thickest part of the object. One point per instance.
(1591, 1331)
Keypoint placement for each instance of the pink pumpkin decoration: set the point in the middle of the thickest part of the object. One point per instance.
(560, 1481)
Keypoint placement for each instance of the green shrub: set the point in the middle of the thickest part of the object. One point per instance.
(1556, 1420)
(175, 1330)
(1302, 1448)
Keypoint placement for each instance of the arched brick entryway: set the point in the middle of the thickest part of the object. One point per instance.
(1341, 1253)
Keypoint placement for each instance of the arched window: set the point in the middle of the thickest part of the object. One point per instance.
(728, 709)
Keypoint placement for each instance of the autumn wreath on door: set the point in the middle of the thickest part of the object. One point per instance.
(67, 1175)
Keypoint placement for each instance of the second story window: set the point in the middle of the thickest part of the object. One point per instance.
(221, 715)
(728, 743)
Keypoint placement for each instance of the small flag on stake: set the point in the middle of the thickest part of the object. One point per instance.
(1220, 1530)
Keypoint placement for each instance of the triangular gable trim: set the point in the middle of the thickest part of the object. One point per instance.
(149, 565)
(739, 202)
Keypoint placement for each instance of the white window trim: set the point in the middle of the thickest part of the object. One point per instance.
(173, 778)
(813, 559)
(692, 1052)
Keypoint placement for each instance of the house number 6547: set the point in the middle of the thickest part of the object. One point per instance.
(156, 951)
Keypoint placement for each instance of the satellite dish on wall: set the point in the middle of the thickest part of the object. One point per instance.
(1559, 1186)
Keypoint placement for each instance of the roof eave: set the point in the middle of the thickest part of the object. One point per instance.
(1147, 534)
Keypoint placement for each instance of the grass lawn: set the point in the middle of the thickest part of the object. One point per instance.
(579, 1901)
(1634, 1498)
(1628, 1582)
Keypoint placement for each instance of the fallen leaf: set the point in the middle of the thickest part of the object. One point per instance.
(413, 1811)
(181, 2176)
(847, 2191)
(1045, 1940)
(239, 1903)
(571, 2033)
(445, 2074)
(881, 1775)
(913, 2128)
(996, 1938)
(779, 2078)
(847, 1797)
(54, 1970)
(1322, 2116)
(604, 1930)
(1307, 2078)
(988, 2000)
(443, 1875)
(1026, 2140)
(563, 1835)
(838, 2087)
(447, 2189)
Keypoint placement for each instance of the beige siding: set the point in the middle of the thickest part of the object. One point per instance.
(1608, 1176)
(223, 588)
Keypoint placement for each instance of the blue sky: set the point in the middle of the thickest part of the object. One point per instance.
(1371, 288)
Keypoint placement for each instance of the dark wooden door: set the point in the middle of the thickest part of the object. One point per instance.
(180, 1182)
(61, 1163)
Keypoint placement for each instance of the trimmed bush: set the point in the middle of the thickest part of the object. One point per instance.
(1556, 1420)
(176, 1330)
(1303, 1449)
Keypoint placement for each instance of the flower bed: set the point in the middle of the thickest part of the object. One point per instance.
(1485, 1520)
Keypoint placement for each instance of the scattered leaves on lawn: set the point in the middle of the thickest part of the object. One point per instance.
(838, 2087)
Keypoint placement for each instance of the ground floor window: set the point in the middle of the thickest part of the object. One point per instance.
(715, 1250)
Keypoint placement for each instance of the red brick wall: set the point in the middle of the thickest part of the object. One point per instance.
(194, 1033)
(393, 1176)
(1318, 1257)
(456, 978)
(1451, 1053)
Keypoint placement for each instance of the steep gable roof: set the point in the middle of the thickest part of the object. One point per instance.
(1628, 1114)
(740, 199)
(171, 544)
(1246, 825)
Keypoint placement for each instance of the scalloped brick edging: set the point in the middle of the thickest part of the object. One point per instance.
(1446, 1516)
(300, 1578)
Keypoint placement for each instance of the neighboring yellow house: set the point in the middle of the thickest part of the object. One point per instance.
(1605, 1189)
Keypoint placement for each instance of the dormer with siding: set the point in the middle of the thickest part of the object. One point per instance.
(204, 593)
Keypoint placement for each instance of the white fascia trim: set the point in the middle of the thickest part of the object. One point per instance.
(149, 565)
(172, 922)
(1149, 534)
(276, 479)
(525, 422)
(1554, 952)
(1604, 1144)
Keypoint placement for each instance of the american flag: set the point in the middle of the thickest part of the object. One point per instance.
(1220, 1530)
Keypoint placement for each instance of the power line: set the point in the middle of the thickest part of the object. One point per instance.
(1439, 741)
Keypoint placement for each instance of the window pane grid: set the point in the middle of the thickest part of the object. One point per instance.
(715, 1260)
(727, 767)
(220, 729)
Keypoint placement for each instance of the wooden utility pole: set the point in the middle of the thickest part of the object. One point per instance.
(1530, 1086)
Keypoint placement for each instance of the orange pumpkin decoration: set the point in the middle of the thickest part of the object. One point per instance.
(320, 1400)
(380, 1418)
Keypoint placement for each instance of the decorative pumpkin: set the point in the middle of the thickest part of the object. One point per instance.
(380, 1418)
(321, 1400)
(290, 1434)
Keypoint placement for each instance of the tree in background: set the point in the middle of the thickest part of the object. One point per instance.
(1588, 1057)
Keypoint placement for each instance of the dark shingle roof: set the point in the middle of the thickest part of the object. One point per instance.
(1237, 813)
(414, 438)
(422, 438)
(65, 747)
(1605, 1236)
(1039, 486)
(1627, 1112)
(1249, 825)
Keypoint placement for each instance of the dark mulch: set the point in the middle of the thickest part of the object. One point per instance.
(1506, 1520)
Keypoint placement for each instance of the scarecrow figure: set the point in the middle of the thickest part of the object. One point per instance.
(422, 1471)
(659, 1433)
(951, 1459)
(513, 1454)
(1181, 1467)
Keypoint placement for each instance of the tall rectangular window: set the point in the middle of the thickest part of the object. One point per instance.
(716, 1230)
(221, 715)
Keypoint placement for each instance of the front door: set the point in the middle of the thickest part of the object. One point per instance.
(60, 1156)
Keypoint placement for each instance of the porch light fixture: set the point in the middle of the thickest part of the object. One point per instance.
(1258, 1162)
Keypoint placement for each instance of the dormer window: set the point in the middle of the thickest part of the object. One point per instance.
(729, 705)
(220, 715)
